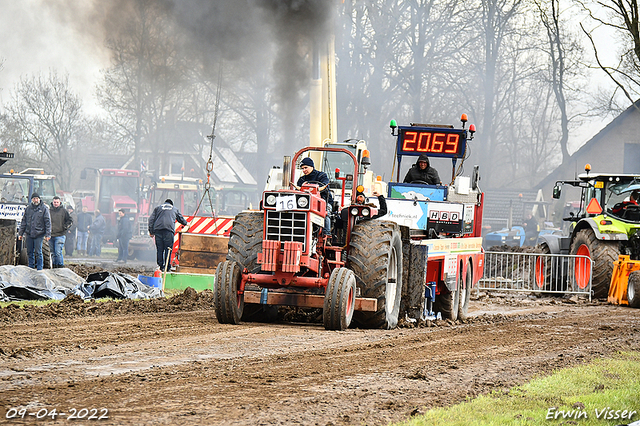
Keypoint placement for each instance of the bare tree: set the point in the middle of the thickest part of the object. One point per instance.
(622, 16)
(564, 56)
(46, 117)
(141, 91)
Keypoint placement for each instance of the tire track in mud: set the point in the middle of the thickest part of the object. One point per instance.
(184, 368)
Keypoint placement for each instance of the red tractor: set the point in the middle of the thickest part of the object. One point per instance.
(420, 259)
(278, 256)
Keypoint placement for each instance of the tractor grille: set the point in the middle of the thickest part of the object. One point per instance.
(287, 226)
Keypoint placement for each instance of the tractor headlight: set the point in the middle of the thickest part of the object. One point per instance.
(365, 212)
(303, 202)
(354, 211)
(271, 200)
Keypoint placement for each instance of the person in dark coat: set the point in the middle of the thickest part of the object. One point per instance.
(84, 222)
(311, 175)
(60, 222)
(70, 242)
(530, 230)
(162, 226)
(97, 228)
(36, 225)
(125, 232)
(423, 172)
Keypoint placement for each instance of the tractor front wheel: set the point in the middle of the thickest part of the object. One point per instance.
(339, 299)
(229, 304)
(602, 255)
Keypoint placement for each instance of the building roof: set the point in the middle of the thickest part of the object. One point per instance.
(598, 138)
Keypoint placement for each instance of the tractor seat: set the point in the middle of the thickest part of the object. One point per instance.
(631, 213)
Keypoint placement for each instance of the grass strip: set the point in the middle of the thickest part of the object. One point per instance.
(603, 392)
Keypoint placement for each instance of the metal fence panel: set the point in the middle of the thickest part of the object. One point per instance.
(537, 273)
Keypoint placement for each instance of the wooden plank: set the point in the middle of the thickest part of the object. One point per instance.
(305, 300)
(199, 259)
(206, 243)
(184, 269)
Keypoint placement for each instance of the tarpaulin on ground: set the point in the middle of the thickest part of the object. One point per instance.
(117, 286)
(23, 283)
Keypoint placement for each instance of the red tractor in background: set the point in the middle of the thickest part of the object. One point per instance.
(115, 189)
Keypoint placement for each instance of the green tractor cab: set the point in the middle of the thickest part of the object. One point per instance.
(605, 225)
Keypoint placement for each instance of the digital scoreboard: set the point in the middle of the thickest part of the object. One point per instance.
(433, 141)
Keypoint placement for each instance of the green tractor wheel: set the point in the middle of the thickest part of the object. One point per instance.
(602, 255)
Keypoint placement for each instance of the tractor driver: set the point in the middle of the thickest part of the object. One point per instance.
(633, 201)
(422, 172)
(311, 175)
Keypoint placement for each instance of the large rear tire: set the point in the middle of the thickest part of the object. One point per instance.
(245, 242)
(602, 255)
(465, 293)
(339, 299)
(229, 305)
(633, 290)
(375, 256)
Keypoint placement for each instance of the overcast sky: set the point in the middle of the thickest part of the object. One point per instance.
(34, 38)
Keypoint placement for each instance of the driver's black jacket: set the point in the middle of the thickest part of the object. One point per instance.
(318, 176)
(429, 175)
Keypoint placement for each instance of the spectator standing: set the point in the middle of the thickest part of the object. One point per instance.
(70, 242)
(83, 224)
(97, 228)
(162, 225)
(36, 225)
(125, 232)
(60, 223)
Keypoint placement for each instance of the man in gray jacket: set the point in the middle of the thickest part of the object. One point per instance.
(162, 225)
(36, 225)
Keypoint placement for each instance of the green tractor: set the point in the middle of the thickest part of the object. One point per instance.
(604, 227)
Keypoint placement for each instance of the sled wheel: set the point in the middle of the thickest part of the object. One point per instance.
(229, 304)
(465, 293)
(339, 299)
(633, 290)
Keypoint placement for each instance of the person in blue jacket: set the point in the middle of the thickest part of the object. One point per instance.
(36, 225)
(162, 225)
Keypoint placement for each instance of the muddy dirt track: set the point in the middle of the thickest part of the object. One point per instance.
(169, 362)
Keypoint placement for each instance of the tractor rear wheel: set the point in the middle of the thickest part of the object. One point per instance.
(633, 290)
(245, 242)
(602, 255)
(375, 256)
(465, 293)
(229, 305)
(339, 299)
